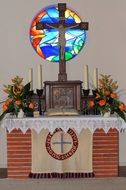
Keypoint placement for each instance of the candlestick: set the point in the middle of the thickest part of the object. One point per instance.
(86, 92)
(86, 78)
(30, 78)
(40, 86)
(96, 78)
(39, 93)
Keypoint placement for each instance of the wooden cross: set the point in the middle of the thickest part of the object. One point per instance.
(62, 26)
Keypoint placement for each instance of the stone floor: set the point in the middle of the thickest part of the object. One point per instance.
(118, 183)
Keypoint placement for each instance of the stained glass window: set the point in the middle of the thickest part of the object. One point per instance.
(45, 42)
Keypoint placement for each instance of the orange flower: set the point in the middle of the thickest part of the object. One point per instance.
(31, 105)
(102, 102)
(91, 103)
(4, 107)
(113, 95)
(7, 102)
(122, 107)
(18, 102)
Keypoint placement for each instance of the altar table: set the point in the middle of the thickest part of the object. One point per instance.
(105, 131)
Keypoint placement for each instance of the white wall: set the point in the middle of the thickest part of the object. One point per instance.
(105, 47)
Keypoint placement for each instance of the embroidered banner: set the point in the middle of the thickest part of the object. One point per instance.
(62, 152)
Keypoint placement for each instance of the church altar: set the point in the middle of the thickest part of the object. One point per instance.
(62, 146)
(104, 141)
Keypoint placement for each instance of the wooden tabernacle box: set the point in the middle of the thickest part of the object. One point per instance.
(65, 94)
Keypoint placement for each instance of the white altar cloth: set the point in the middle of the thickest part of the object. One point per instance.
(64, 122)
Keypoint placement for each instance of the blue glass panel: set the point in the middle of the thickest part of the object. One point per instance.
(46, 40)
(53, 12)
(48, 50)
(70, 20)
(50, 35)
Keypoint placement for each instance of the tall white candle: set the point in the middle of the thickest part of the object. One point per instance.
(30, 78)
(96, 78)
(40, 85)
(86, 77)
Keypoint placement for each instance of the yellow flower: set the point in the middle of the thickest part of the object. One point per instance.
(6, 91)
(122, 106)
(97, 96)
(101, 83)
(17, 80)
(17, 89)
(106, 93)
(113, 95)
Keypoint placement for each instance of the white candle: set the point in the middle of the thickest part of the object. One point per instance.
(86, 78)
(30, 78)
(40, 86)
(96, 78)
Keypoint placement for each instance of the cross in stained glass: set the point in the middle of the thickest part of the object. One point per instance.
(62, 26)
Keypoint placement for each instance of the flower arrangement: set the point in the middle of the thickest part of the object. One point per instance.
(17, 98)
(107, 99)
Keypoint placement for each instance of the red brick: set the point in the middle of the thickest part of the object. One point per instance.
(19, 154)
(103, 142)
(18, 144)
(17, 169)
(15, 164)
(27, 152)
(104, 135)
(23, 148)
(105, 153)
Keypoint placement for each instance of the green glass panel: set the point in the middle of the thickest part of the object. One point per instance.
(68, 55)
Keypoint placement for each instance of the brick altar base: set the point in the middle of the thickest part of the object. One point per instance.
(19, 154)
(105, 153)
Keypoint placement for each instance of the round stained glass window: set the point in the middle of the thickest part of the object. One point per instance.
(46, 41)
